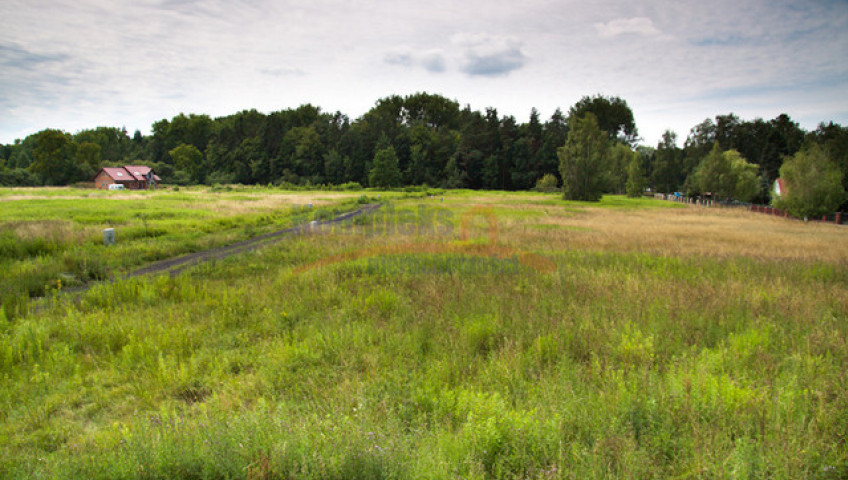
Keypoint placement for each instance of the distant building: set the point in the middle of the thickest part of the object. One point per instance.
(132, 177)
(779, 188)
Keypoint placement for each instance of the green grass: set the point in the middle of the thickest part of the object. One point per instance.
(54, 239)
(616, 365)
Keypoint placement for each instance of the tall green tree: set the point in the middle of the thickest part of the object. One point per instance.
(454, 176)
(813, 183)
(584, 160)
(334, 167)
(304, 145)
(666, 173)
(416, 171)
(635, 177)
(88, 153)
(748, 182)
(554, 134)
(726, 175)
(385, 172)
(116, 147)
(190, 160)
(612, 114)
(834, 140)
(54, 158)
(249, 159)
(619, 162)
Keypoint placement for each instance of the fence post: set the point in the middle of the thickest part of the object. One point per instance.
(838, 218)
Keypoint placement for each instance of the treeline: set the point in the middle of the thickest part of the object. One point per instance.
(427, 139)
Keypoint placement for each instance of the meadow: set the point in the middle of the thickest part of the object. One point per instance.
(666, 341)
(52, 238)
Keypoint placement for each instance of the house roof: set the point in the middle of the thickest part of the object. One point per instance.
(141, 172)
(118, 174)
(129, 173)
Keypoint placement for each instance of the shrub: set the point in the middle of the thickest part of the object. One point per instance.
(548, 183)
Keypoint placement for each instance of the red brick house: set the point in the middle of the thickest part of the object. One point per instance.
(132, 177)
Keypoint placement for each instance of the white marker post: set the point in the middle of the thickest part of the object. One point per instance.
(108, 236)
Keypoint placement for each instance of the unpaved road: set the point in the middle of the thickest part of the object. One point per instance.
(176, 265)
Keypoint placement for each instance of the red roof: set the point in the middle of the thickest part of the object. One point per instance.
(130, 173)
(140, 172)
(118, 174)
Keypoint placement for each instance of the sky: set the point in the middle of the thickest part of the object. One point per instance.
(80, 64)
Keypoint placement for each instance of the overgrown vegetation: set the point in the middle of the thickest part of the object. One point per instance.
(669, 342)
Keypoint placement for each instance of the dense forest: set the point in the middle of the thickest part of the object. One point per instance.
(413, 140)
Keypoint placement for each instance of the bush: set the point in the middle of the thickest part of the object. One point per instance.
(18, 177)
(180, 177)
(548, 183)
(220, 178)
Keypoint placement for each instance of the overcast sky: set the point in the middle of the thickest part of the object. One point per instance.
(75, 64)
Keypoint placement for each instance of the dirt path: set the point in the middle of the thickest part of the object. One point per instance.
(174, 266)
(177, 264)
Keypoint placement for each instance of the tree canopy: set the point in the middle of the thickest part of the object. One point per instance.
(612, 114)
(436, 142)
(54, 158)
(635, 177)
(813, 183)
(726, 175)
(385, 172)
(584, 160)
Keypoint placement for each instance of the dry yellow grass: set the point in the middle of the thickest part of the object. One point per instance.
(262, 202)
(690, 231)
(13, 198)
(61, 231)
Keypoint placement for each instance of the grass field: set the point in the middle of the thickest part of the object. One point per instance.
(52, 238)
(665, 342)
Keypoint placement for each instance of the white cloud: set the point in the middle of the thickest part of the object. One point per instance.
(625, 26)
(489, 55)
(472, 54)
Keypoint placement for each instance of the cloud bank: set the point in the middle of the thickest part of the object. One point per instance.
(75, 65)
